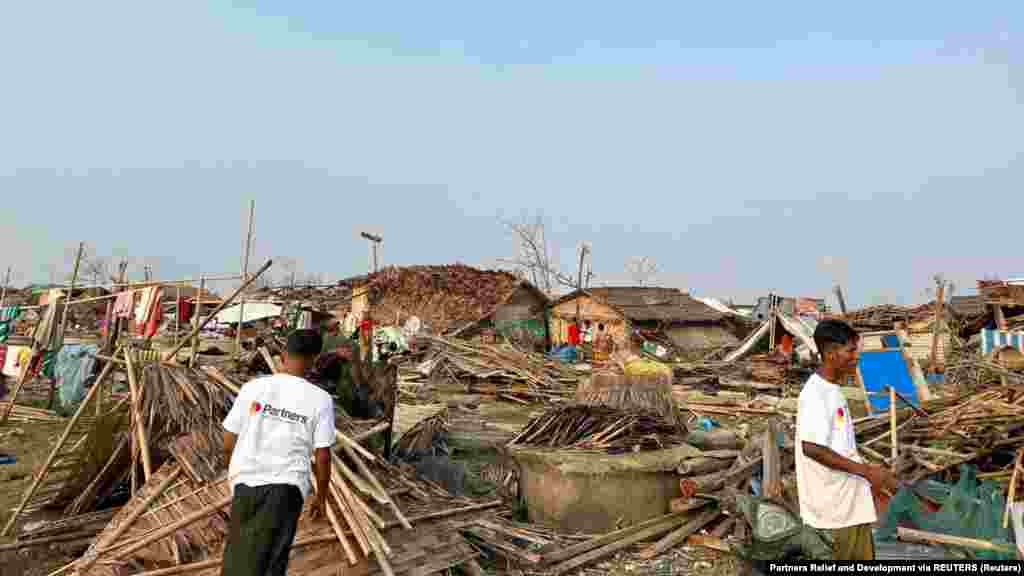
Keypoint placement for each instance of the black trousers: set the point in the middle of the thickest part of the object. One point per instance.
(263, 522)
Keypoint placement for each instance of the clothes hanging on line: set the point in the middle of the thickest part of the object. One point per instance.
(46, 335)
(149, 312)
(124, 305)
(184, 307)
(8, 317)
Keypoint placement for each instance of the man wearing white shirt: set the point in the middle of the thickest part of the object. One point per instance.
(276, 424)
(833, 482)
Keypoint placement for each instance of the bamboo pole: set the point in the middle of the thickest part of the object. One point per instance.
(171, 528)
(892, 430)
(222, 305)
(7, 281)
(177, 312)
(139, 425)
(365, 470)
(245, 274)
(1013, 489)
(123, 526)
(336, 526)
(195, 324)
(56, 449)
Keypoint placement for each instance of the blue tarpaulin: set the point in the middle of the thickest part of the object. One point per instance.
(886, 368)
(74, 365)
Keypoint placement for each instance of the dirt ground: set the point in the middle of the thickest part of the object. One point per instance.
(30, 443)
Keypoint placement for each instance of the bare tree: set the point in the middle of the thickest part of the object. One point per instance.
(533, 260)
(641, 269)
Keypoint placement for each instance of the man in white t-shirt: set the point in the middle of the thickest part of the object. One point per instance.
(833, 482)
(276, 424)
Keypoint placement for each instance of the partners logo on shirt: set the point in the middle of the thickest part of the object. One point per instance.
(257, 409)
(840, 417)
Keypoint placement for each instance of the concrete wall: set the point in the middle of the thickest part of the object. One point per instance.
(594, 504)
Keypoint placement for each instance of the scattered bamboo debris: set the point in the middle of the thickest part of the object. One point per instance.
(427, 438)
(599, 428)
(27, 414)
(509, 371)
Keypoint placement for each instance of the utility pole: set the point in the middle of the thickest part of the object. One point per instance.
(245, 276)
(374, 242)
(839, 296)
(584, 250)
(7, 281)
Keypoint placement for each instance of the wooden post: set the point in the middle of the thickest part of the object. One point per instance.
(892, 431)
(839, 297)
(195, 324)
(864, 390)
(937, 364)
(997, 312)
(579, 288)
(64, 318)
(7, 281)
(136, 408)
(245, 274)
(177, 312)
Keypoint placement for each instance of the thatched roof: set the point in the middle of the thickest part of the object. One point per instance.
(448, 297)
(648, 304)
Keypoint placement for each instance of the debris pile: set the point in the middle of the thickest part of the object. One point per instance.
(583, 427)
(497, 369)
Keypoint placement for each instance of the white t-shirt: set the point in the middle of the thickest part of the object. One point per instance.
(829, 499)
(279, 420)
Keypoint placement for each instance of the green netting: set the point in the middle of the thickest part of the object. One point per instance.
(512, 327)
(968, 508)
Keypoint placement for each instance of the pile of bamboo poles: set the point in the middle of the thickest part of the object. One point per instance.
(983, 428)
(28, 414)
(598, 428)
(537, 377)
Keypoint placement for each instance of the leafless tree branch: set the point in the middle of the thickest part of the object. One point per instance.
(641, 269)
(534, 259)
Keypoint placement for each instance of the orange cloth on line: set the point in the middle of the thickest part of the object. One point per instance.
(787, 344)
(152, 312)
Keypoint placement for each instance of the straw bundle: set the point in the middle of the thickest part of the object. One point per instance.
(598, 427)
(649, 392)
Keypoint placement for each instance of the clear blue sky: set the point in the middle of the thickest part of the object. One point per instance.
(743, 146)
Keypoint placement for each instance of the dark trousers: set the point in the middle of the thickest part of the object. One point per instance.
(263, 522)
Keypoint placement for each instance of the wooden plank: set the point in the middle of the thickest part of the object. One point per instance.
(616, 543)
(680, 535)
(564, 554)
(911, 535)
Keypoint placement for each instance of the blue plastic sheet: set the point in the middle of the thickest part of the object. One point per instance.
(886, 368)
(73, 366)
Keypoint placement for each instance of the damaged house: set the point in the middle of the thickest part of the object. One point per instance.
(452, 300)
(686, 323)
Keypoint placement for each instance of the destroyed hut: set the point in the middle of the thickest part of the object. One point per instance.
(666, 315)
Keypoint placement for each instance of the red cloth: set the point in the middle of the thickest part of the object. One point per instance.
(147, 326)
(574, 334)
(184, 310)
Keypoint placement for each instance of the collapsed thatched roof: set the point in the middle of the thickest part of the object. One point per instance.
(447, 297)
